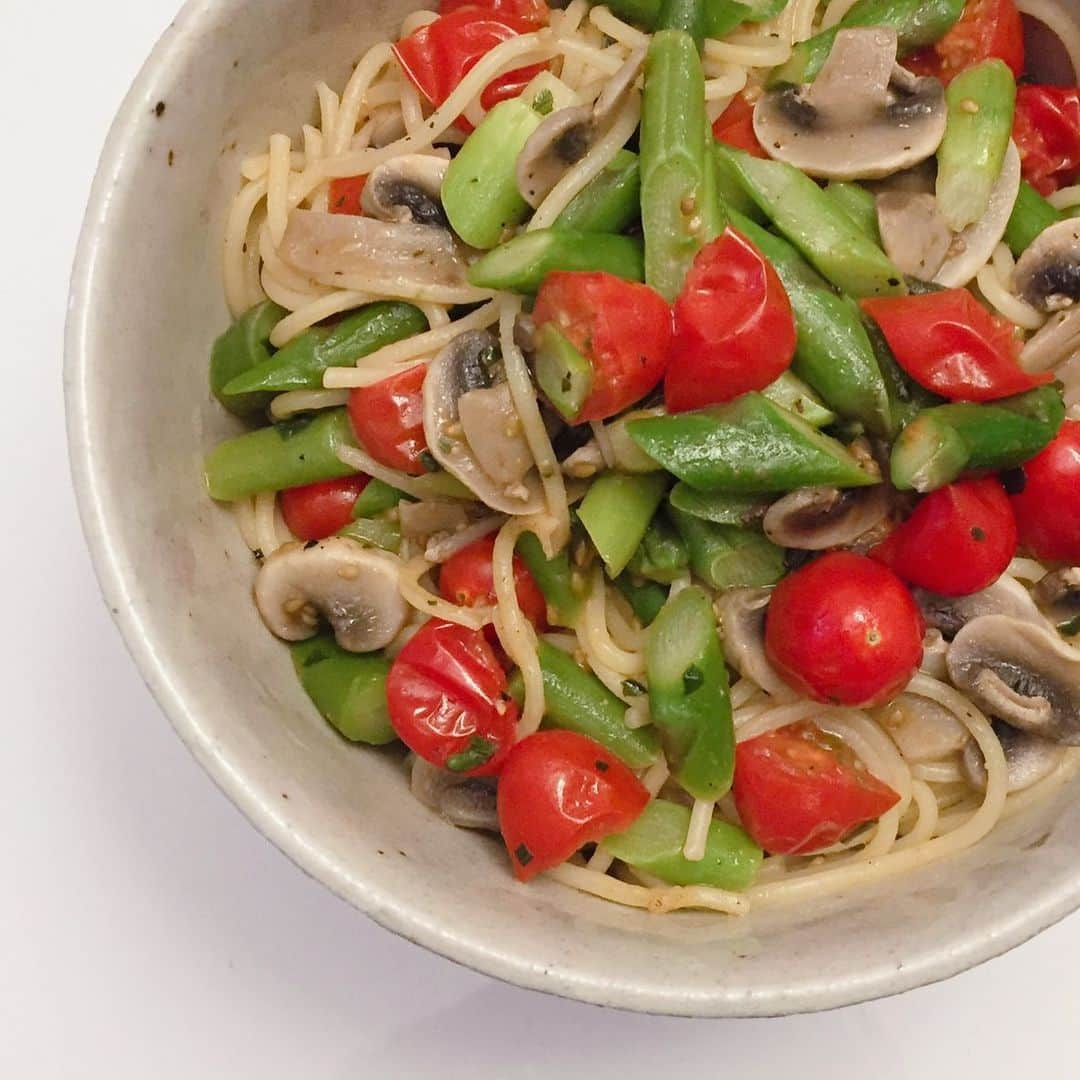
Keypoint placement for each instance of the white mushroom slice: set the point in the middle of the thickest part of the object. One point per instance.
(493, 431)
(1053, 343)
(457, 370)
(1028, 759)
(913, 233)
(407, 189)
(934, 650)
(1058, 595)
(742, 618)
(567, 135)
(818, 518)
(585, 461)
(1047, 275)
(971, 248)
(353, 587)
(390, 258)
(922, 729)
(1005, 597)
(863, 116)
(465, 801)
(1021, 673)
(423, 519)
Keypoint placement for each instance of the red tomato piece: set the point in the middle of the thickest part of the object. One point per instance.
(986, 29)
(345, 195)
(735, 127)
(447, 697)
(734, 329)
(1046, 129)
(621, 327)
(797, 790)
(845, 630)
(559, 791)
(466, 578)
(534, 13)
(1047, 506)
(958, 541)
(388, 419)
(508, 86)
(316, 511)
(949, 343)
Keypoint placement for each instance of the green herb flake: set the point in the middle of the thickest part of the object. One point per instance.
(479, 752)
(523, 855)
(544, 102)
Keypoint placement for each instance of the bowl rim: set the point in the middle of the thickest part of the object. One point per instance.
(390, 911)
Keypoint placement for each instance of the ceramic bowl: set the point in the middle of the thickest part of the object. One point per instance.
(146, 303)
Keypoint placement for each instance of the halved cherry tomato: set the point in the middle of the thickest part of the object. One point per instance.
(949, 343)
(735, 127)
(316, 511)
(388, 419)
(622, 328)
(534, 13)
(466, 578)
(958, 541)
(798, 790)
(1046, 130)
(559, 791)
(845, 630)
(1047, 505)
(447, 697)
(987, 29)
(345, 195)
(734, 330)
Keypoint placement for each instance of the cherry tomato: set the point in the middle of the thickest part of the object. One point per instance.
(734, 330)
(388, 419)
(958, 541)
(1047, 506)
(534, 13)
(466, 579)
(1046, 129)
(798, 790)
(845, 630)
(316, 511)
(345, 195)
(735, 127)
(622, 328)
(949, 343)
(559, 791)
(986, 29)
(447, 697)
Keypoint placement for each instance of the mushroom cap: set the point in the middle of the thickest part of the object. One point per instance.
(742, 620)
(1021, 673)
(922, 729)
(353, 587)
(950, 613)
(1028, 758)
(913, 233)
(1053, 343)
(817, 518)
(407, 189)
(863, 117)
(1047, 275)
(1058, 595)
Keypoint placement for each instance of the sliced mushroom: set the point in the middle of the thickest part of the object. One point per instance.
(392, 258)
(1047, 275)
(459, 369)
(493, 430)
(1058, 594)
(742, 618)
(407, 189)
(422, 519)
(950, 613)
(913, 233)
(465, 801)
(934, 650)
(353, 587)
(813, 519)
(567, 135)
(922, 729)
(1028, 758)
(1054, 343)
(862, 117)
(585, 461)
(1020, 672)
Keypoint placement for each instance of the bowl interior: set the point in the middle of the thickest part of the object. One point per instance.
(146, 305)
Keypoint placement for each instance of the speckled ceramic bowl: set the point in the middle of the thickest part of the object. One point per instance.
(145, 305)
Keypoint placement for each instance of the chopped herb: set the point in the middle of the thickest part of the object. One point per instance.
(1070, 628)
(310, 544)
(523, 855)
(633, 688)
(544, 102)
(692, 679)
(259, 555)
(479, 752)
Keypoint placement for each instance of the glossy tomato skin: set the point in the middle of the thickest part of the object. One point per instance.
(950, 344)
(345, 195)
(734, 329)
(1046, 130)
(316, 511)
(797, 794)
(1047, 506)
(845, 630)
(388, 419)
(448, 700)
(986, 29)
(467, 579)
(621, 327)
(735, 127)
(559, 791)
(958, 540)
(532, 13)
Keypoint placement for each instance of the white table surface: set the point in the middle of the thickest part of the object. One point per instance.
(145, 928)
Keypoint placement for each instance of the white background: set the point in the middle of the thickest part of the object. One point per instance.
(146, 930)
